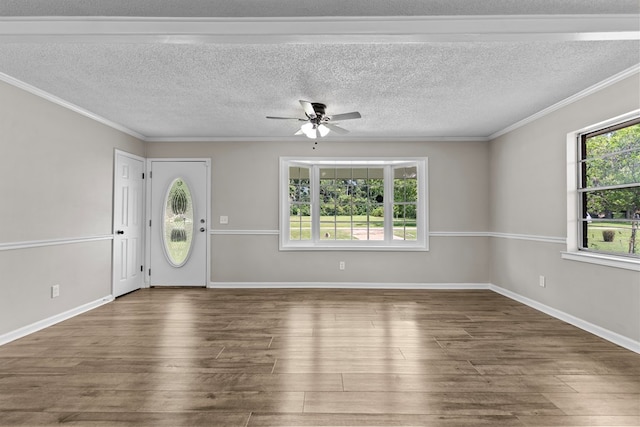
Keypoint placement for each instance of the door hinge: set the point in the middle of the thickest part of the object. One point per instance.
(142, 268)
(149, 223)
(150, 174)
(149, 272)
(142, 175)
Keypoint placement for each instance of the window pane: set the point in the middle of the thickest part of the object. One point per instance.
(327, 230)
(612, 142)
(359, 173)
(405, 184)
(621, 238)
(405, 173)
(299, 204)
(376, 230)
(613, 204)
(300, 222)
(376, 190)
(411, 190)
(623, 168)
(343, 231)
(405, 233)
(304, 190)
(376, 212)
(398, 190)
(327, 173)
(375, 173)
(294, 173)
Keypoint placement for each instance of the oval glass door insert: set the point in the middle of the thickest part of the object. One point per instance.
(177, 227)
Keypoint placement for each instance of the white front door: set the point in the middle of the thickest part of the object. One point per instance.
(179, 216)
(127, 224)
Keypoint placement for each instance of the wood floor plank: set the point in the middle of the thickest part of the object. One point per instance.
(430, 403)
(168, 401)
(602, 383)
(175, 381)
(312, 357)
(580, 421)
(132, 419)
(314, 354)
(380, 420)
(463, 383)
(389, 366)
(557, 366)
(389, 334)
(596, 403)
(354, 342)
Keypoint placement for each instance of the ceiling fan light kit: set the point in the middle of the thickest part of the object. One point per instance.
(317, 122)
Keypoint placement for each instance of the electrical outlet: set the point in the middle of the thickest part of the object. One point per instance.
(341, 265)
(55, 291)
(542, 281)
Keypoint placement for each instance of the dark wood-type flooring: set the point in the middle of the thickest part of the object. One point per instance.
(204, 357)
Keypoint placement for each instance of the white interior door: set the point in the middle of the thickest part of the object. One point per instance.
(179, 216)
(127, 224)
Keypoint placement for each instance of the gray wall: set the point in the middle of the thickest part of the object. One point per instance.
(245, 176)
(56, 180)
(529, 196)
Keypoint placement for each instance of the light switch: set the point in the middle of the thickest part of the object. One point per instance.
(224, 219)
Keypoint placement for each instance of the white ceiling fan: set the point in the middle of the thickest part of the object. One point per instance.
(318, 124)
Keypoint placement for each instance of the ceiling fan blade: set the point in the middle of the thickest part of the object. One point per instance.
(308, 109)
(286, 118)
(336, 129)
(346, 116)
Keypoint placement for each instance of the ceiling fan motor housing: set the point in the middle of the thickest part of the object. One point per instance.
(319, 109)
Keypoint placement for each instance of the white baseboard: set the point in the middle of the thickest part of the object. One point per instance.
(50, 321)
(344, 285)
(601, 332)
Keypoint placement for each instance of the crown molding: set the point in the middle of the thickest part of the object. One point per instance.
(329, 139)
(336, 30)
(570, 100)
(68, 105)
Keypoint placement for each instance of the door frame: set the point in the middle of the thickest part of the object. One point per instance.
(142, 215)
(148, 214)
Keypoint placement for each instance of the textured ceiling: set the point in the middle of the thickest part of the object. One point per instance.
(224, 88)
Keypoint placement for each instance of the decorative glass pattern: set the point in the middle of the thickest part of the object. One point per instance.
(177, 227)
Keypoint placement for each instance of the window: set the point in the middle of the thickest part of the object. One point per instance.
(609, 190)
(353, 204)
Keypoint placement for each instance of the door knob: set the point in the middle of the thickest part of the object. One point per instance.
(120, 232)
(202, 229)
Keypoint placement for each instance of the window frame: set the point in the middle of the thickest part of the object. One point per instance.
(387, 164)
(575, 197)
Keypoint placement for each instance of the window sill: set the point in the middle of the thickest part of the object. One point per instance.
(329, 247)
(606, 260)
